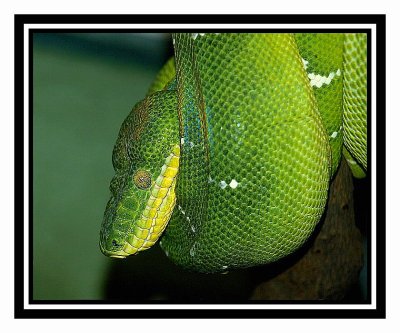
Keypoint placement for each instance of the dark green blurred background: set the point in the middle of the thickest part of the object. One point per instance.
(84, 87)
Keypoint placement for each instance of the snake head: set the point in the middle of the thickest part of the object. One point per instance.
(146, 162)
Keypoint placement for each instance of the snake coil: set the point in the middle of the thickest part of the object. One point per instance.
(239, 136)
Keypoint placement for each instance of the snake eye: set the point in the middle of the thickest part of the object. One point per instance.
(142, 179)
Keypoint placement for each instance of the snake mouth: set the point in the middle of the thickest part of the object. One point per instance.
(117, 256)
(121, 254)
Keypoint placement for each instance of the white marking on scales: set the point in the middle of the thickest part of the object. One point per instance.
(233, 184)
(192, 250)
(181, 209)
(183, 213)
(194, 35)
(317, 80)
(305, 63)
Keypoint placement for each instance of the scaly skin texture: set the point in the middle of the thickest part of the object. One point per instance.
(324, 67)
(258, 118)
(355, 97)
(146, 139)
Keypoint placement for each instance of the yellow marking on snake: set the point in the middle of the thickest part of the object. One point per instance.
(158, 209)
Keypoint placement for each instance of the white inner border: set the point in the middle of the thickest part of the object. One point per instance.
(200, 27)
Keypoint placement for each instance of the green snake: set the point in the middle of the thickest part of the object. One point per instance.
(229, 157)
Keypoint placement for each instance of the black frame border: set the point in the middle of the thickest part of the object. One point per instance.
(19, 292)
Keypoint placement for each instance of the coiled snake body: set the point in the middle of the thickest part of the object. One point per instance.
(230, 156)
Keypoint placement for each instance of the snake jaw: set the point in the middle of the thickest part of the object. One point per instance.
(113, 254)
(159, 207)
